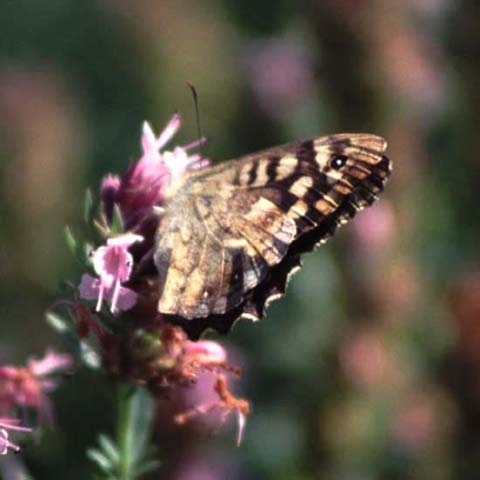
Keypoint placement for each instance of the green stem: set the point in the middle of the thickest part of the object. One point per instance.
(125, 412)
(134, 425)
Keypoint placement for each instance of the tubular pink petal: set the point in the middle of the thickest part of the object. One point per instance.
(100, 298)
(6, 444)
(125, 240)
(51, 362)
(242, 420)
(116, 291)
(195, 144)
(169, 131)
(149, 142)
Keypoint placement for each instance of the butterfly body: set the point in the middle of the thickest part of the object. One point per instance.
(230, 235)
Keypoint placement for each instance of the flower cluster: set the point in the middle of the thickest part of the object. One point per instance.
(131, 340)
(26, 388)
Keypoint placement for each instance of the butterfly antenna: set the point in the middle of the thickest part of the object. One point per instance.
(197, 114)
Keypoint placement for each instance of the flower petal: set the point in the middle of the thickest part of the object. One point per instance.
(149, 142)
(169, 131)
(242, 420)
(89, 287)
(125, 240)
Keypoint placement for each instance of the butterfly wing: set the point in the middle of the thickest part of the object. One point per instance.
(231, 234)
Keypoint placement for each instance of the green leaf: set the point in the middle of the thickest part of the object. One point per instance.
(70, 240)
(100, 459)
(109, 448)
(117, 225)
(59, 324)
(88, 207)
(131, 456)
(90, 358)
(135, 421)
(88, 250)
(147, 467)
(140, 422)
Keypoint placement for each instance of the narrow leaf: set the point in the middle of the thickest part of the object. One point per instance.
(147, 467)
(99, 459)
(90, 358)
(109, 448)
(58, 323)
(70, 240)
(88, 207)
(117, 225)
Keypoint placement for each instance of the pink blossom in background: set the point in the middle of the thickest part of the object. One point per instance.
(374, 229)
(113, 264)
(414, 424)
(28, 386)
(8, 425)
(367, 361)
(51, 363)
(146, 182)
(414, 68)
(281, 75)
(465, 306)
(203, 464)
(399, 283)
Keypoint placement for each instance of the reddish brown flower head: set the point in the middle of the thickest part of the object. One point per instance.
(226, 403)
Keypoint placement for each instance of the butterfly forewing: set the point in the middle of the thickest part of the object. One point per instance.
(231, 234)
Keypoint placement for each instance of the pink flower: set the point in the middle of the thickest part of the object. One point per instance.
(49, 364)
(367, 361)
(414, 424)
(281, 76)
(146, 182)
(375, 228)
(113, 264)
(7, 425)
(27, 387)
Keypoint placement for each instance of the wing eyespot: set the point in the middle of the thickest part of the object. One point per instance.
(338, 161)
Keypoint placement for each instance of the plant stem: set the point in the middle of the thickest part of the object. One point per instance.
(125, 412)
(134, 425)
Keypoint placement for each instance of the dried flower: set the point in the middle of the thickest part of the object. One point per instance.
(113, 264)
(226, 402)
(179, 361)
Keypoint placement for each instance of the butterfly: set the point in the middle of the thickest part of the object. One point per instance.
(231, 235)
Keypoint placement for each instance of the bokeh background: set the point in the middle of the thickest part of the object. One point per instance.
(370, 368)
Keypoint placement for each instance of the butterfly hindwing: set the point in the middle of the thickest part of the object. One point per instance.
(231, 234)
(213, 248)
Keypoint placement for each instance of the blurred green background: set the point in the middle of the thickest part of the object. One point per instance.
(370, 368)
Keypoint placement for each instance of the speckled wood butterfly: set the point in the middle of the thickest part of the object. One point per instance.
(230, 235)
